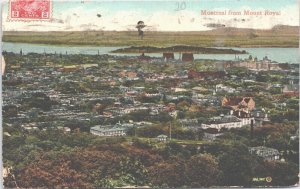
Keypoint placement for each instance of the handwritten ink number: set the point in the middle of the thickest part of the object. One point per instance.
(180, 6)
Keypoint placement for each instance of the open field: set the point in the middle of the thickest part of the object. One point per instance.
(279, 36)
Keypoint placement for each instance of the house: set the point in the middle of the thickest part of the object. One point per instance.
(30, 126)
(187, 57)
(170, 107)
(268, 154)
(6, 171)
(273, 66)
(162, 138)
(293, 80)
(66, 129)
(177, 90)
(86, 66)
(291, 90)
(6, 134)
(211, 134)
(131, 93)
(128, 74)
(108, 131)
(152, 94)
(223, 88)
(199, 89)
(295, 136)
(220, 122)
(253, 64)
(191, 124)
(260, 116)
(201, 99)
(167, 55)
(245, 103)
(245, 116)
(264, 64)
(70, 68)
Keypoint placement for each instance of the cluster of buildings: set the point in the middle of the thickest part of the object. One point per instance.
(98, 90)
(254, 64)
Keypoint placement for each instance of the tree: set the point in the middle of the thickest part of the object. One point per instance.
(261, 77)
(236, 165)
(10, 111)
(74, 124)
(39, 100)
(202, 171)
(133, 172)
(183, 105)
(99, 108)
(13, 142)
(174, 149)
(168, 173)
(282, 173)
(45, 173)
(151, 131)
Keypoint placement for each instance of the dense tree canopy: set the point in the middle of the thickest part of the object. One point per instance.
(54, 159)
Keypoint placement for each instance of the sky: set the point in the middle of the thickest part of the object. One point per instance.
(79, 15)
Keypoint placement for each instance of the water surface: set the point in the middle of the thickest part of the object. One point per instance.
(281, 55)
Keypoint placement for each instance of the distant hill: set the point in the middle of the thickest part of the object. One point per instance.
(278, 29)
(278, 36)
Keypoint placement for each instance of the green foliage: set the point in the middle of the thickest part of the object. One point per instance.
(262, 77)
(152, 131)
(169, 173)
(39, 100)
(282, 173)
(133, 172)
(51, 158)
(104, 183)
(10, 111)
(72, 87)
(202, 171)
(237, 166)
(173, 149)
(77, 125)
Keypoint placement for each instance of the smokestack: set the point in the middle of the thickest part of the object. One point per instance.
(170, 131)
(251, 131)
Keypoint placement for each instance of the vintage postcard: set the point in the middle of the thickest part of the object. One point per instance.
(150, 94)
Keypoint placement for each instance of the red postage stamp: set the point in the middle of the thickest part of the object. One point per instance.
(27, 10)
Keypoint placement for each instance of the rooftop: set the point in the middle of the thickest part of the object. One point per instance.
(222, 119)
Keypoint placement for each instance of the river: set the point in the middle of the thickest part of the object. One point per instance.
(281, 55)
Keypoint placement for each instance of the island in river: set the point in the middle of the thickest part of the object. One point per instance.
(178, 49)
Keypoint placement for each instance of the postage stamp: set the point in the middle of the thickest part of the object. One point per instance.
(30, 10)
(149, 94)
